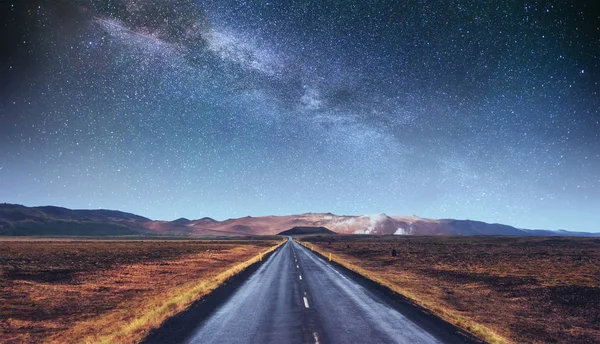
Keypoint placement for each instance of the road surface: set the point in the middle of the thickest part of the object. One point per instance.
(297, 297)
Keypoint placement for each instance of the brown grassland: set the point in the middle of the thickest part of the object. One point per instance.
(502, 289)
(107, 291)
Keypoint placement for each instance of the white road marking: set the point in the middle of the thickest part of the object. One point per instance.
(316, 337)
(300, 277)
(305, 302)
(297, 267)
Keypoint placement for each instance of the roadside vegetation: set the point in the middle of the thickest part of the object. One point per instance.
(110, 291)
(501, 289)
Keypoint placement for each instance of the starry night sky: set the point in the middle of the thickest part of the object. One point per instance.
(478, 109)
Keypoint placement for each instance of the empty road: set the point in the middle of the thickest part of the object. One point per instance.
(297, 297)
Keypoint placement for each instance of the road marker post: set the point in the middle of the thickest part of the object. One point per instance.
(329, 256)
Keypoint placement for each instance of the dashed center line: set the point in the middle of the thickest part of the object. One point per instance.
(300, 276)
(297, 267)
(305, 302)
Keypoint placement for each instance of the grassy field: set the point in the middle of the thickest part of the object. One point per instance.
(74, 291)
(503, 289)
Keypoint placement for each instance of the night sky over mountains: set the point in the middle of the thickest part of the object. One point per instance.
(488, 110)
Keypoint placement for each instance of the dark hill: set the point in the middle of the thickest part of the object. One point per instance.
(16, 219)
(181, 221)
(307, 230)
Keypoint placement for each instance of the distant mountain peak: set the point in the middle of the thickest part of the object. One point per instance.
(181, 221)
(50, 220)
(207, 219)
(298, 230)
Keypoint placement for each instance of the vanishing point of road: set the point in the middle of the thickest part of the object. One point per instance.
(297, 297)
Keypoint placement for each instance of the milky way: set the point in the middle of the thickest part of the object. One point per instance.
(485, 110)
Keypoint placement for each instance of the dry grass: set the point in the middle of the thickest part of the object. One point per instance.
(521, 290)
(109, 291)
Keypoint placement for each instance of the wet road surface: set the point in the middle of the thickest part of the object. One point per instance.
(298, 297)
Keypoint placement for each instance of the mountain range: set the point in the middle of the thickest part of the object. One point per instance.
(49, 220)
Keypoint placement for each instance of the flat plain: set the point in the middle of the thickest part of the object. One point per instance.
(503, 289)
(70, 290)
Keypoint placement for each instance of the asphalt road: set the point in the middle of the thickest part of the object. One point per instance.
(297, 297)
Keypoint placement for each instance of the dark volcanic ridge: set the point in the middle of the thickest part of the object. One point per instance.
(20, 220)
(307, 230)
